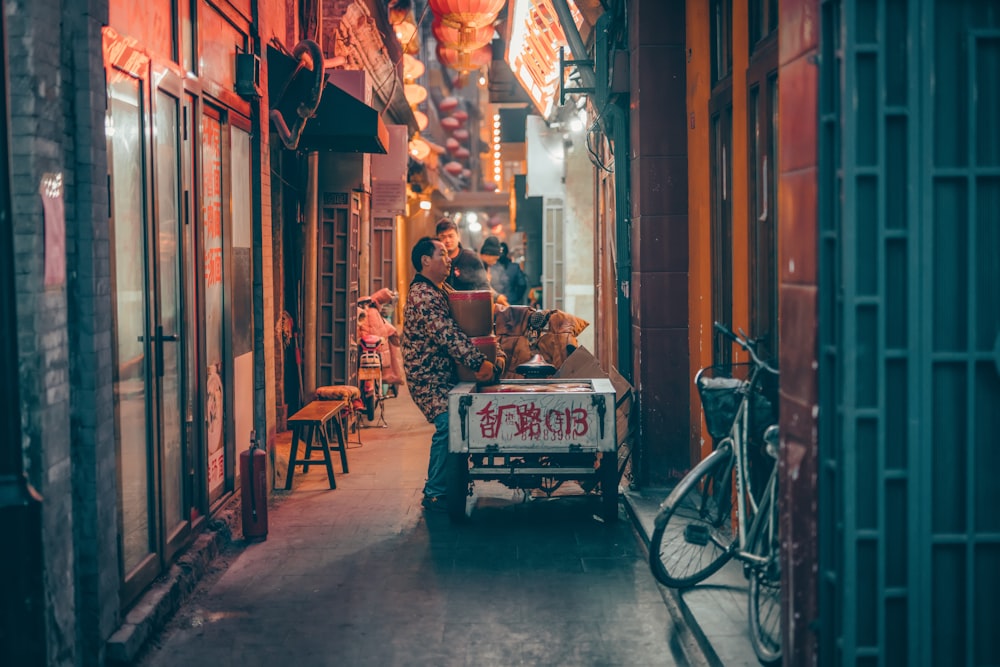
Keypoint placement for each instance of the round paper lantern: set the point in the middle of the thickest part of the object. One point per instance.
(472, 13)
(461, 135)
(405, 32)
(463, 38)
(452, 144)
(447, 104)
(412, 68)
(450, 123)
(414, 93)
(462, 153)
(454, 168)
(419, 149)
(421, 118)
(464, 61)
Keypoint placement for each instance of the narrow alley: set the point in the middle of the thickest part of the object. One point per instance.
(360, 575)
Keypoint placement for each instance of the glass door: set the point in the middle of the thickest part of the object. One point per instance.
(215, 369)
(152, 321)
(762, 152)
(169, 329)
(132, 373)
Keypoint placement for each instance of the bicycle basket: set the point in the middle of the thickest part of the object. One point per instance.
(720, 398)
(719, 388)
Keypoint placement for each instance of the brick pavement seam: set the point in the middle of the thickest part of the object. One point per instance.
(692, 642)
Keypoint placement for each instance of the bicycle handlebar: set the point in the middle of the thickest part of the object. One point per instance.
(747, 344)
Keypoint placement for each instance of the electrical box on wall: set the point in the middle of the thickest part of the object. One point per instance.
(248, 76)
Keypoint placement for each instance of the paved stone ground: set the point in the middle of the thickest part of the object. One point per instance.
(716, 609)
(361, 575)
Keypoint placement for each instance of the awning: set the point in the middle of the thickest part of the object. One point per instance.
(341, 123)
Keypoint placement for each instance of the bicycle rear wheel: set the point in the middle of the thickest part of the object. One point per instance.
(693, 533)
(765, 585)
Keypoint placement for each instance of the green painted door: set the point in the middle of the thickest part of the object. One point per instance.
(910, 332)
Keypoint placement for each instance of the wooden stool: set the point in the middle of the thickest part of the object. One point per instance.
(310, 424)
(349, 417)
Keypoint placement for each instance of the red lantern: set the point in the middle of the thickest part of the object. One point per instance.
(461, 116)
(447, 104)
(461, 135)
(462, 37)
(454, 168)
(471, 13)
(450, 123)
(462, 153)
(464, 62)
(452, 144)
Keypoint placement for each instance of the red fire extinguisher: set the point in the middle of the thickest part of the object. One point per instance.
(253, 472)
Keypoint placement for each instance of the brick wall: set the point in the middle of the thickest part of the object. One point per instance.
(38, 141)
(90, 316)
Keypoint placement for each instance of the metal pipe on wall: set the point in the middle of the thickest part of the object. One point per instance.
(365, 249)
(309, 287)
(575, 41)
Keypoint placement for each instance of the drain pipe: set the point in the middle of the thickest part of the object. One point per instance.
(309, 288)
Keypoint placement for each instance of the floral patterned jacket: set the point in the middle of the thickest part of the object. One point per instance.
(432, 345)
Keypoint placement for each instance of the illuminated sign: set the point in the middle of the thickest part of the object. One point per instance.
(533, 50)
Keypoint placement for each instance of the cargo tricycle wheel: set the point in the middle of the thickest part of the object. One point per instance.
(458, 485)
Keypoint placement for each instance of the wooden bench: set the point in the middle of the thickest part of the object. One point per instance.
(310, 425)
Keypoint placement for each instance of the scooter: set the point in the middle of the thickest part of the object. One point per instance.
(370, 373)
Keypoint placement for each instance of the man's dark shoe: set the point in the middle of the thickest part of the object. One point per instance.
(434, 504)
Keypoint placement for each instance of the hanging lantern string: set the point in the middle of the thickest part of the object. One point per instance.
(395, 79)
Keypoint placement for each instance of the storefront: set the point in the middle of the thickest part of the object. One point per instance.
(181, 214)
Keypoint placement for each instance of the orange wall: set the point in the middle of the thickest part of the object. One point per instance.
(699, 87)
(699, 71)
(740, 202)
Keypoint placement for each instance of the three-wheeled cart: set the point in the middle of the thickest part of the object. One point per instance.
(533, 434)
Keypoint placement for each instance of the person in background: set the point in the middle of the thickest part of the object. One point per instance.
(508, 278)
(467, 270)
(489, 253)
(433, 345)
(372, 321)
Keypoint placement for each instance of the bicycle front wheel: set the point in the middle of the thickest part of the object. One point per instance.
(693, 533)
(765, 585)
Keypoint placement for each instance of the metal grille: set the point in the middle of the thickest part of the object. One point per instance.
(383, 260)
(553, 257)
(338, 288)
(910, 326)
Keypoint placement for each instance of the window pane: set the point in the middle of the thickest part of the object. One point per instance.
(211, 198)
(167, 147)
(124, 129)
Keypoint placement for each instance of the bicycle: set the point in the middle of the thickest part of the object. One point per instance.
(695, 532)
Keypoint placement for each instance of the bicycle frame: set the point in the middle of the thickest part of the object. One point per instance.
(694, 533)
(739, 439)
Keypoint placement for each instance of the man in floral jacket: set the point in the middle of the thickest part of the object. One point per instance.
(433, 344)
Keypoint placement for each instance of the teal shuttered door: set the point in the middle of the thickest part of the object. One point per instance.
(910, 333)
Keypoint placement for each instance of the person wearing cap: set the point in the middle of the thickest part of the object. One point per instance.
(506, 277)
(467, 271)
(433, 346)
(489, 253)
